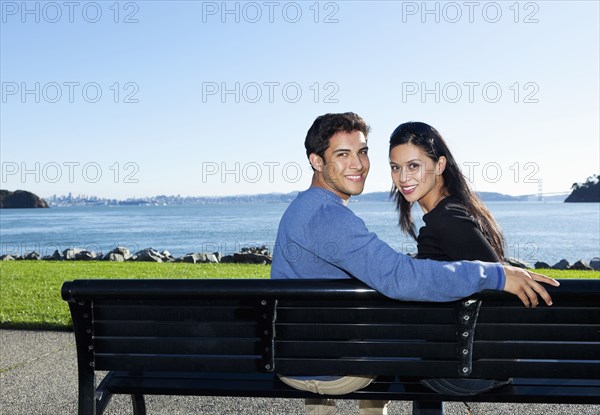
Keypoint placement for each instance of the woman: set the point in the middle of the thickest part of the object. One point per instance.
(458, 226)
(424, 171)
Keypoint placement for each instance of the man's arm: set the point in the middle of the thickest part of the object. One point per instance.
(361, 254)
(524, 284)
(462, 240)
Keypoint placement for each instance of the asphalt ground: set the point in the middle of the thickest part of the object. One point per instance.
(38, 375)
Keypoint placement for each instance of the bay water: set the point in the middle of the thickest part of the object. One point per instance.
(535, 231)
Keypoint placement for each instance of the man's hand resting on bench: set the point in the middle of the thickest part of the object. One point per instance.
(526, 285)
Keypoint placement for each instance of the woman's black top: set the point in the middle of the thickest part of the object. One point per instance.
(450, 234)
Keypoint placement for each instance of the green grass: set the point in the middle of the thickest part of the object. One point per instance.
(30, 290)
(558, 274)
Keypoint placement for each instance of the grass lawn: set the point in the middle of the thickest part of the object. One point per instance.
(30, 290)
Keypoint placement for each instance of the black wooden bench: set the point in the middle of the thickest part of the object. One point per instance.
(231, 337)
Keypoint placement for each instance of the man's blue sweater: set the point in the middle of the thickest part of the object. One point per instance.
(319, 237)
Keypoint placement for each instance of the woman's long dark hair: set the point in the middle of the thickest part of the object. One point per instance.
(431, 142)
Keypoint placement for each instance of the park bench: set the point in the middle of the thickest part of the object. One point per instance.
(231, 338)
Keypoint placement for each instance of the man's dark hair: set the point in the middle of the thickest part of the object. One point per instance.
(326, 126)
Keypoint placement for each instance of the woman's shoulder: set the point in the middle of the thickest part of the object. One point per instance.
(454, 206)
(448, 208)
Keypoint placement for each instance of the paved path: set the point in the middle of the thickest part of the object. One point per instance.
(39, 376)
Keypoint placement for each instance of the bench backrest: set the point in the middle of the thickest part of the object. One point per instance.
(330, 327)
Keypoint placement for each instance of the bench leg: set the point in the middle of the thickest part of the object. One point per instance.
(139, 406)
(428, 408)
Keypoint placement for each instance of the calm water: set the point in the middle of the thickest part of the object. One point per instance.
(534, 231)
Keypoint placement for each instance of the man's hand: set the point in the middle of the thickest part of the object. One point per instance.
(524, 284)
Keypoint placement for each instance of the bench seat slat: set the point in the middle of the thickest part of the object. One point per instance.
(366, 315)
(539, 316)
(174, 329)
(438, 368)
(373, 348)
(146, 345)
(427, 349)
(372, 331)
(222, 363)
(576, 369)
(572, 332)
(536, 349)
(488, 315)
(533, 332)
(175, 313)
(267, 385)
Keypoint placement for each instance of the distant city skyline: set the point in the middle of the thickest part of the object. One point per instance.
(82, 199)
(199, 98)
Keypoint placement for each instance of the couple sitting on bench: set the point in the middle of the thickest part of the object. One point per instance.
(320, 237)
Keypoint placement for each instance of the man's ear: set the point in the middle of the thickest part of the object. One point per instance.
(316, 161)
(441, 165)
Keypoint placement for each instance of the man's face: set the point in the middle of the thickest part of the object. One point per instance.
(346, 164)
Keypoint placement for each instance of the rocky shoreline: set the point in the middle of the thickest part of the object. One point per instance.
(250, 255)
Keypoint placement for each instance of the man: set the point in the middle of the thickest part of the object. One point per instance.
(319, 237)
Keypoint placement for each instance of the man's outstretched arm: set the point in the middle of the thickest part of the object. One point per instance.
(526, 285)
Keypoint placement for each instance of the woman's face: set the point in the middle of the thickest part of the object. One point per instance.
(416, 176)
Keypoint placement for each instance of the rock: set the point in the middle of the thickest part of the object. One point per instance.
(562, 264)
(199, 258)
(541, 264)
(147, 255)
(248, 258)
(516, 263)
(581, 265)
(227, 259)
(167, 255)
(250, 255)
(20, 199)
(595, 264)
(114, 257)
(79, 254)
(191, 258)
(32, 256)
(118, 252)
(262, 250)
(85, 255)
(56, 256)
(7, 258)
(69, 254)
(212, 258)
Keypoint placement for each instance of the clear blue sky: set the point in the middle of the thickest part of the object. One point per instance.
(514, 88)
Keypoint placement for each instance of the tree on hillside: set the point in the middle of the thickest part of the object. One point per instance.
(589, 191)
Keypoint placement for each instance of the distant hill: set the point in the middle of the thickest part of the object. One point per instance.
(586, 192)
(20, 199)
